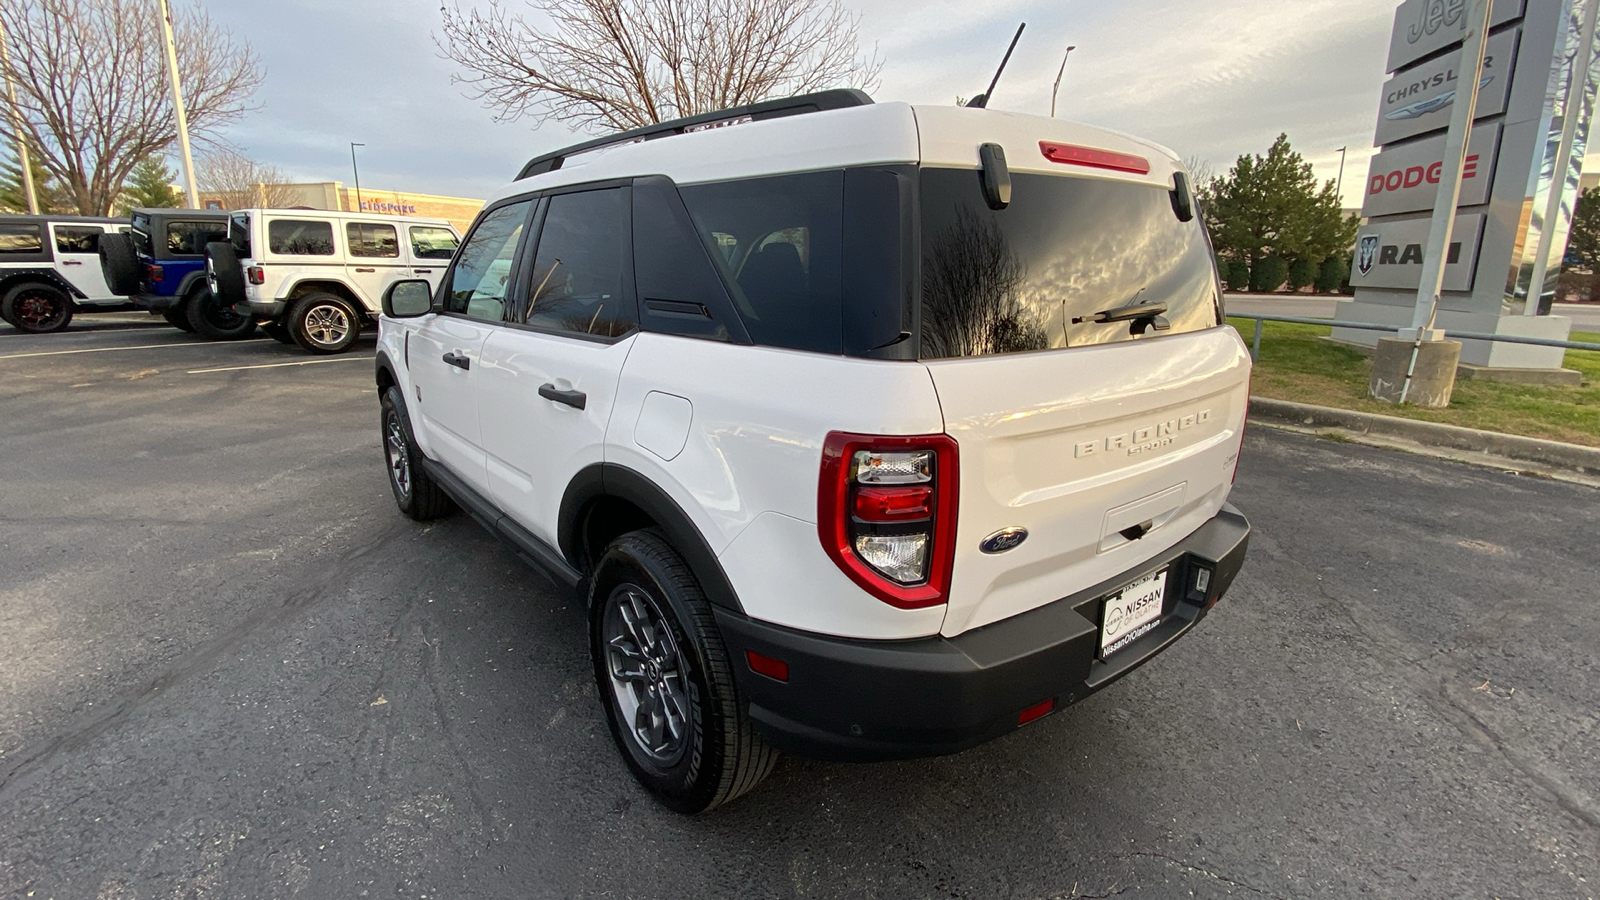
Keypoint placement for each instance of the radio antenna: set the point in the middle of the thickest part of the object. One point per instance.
(982, 100)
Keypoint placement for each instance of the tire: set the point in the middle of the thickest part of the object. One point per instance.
(324, 323)
(37, 308)
(177, 315)
(715, 754)
(417, 495)
(119, 262)
(278, 332)
(212, 319)
(224, 275)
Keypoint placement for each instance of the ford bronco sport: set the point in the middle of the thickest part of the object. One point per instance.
(869, 431)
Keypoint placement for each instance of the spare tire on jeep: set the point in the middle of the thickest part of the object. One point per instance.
(120, 264)
(224, 275)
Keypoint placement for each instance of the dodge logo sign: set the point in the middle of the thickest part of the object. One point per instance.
(1367, 254)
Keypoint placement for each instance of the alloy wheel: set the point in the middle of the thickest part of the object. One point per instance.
(648, 675)
(39, 310)
(327, 325)
(399, 457)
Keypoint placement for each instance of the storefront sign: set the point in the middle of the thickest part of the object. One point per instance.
(1419, 100)
(390, 207)
(1405, 178)
(1423, 26)
(1389, 254)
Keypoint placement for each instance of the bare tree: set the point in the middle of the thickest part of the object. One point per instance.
(1200, 172)
(619, 64)
(91, 87)
(240, 182)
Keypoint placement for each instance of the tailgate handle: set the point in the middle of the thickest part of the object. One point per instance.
(1135, 532)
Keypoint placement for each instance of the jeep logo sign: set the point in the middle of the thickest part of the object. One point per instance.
(1419, 100)
(1389, 254)
(1423, 26)
(1406, 178)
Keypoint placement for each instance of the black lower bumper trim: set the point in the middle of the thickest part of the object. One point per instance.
(859, 700)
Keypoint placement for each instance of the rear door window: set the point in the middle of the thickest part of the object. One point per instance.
(191, 238)
(372, 240)
(1034, 275)
(300, 237)
(78, 239)
(17, 239)
(432, 242)
(480, 280)
(580, 281)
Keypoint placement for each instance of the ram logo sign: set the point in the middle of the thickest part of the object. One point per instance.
(1391, 252)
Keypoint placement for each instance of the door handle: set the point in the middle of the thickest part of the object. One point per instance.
(72, 262)
(365, 269)
(459, 361)
(422, 271)
(574, 399)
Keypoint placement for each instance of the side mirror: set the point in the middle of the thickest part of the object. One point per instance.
(408, 299)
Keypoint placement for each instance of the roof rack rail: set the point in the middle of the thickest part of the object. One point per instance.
(842, 98)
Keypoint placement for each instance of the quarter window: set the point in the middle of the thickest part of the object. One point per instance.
(481, 277)
(191, 238)
(579, 282)
(371, 239)
(77, 239)
(18, 239)
(429, 242)
(295, 237)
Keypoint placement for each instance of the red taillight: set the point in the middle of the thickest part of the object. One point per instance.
(761, 664)
(153, 273)
(886, 513)
(256, 274)
(1073, 155)
(1036, 711)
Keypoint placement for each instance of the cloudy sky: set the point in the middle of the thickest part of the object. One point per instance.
(1211, 79)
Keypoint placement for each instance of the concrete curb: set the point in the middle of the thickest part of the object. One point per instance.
(1507, 447)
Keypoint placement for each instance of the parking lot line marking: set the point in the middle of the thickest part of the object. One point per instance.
(109, 349)
(303, 362)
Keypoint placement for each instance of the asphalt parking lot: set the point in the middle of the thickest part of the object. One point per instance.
(228, 668)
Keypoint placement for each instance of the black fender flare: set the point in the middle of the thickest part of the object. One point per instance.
(600, 480)
(47, 275)
(381, 364)
(188, 283)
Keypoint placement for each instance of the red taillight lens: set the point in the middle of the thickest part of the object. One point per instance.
(894, 504)
(761, 664)
(154, 274)
(1036, 711)
(1073, 155)
(256, 274)
(886, 513)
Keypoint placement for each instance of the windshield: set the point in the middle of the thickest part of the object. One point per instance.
(1035, 275)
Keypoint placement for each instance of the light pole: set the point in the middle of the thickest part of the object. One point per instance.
(1059, 72)
(357, 170)
(1340, 188)
(23, 162)
(177, 106)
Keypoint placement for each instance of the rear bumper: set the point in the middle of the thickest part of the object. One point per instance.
(261, 310)
(155, 302)
(874, 700)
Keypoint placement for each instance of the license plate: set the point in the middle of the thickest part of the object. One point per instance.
(1131, 612)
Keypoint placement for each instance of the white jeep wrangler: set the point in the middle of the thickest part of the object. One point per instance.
(868, 430)
(50, 269)
(313, 277)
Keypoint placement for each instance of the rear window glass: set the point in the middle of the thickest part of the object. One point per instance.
(372, 239)
(1034, 276)
(778, 241)
(77, 239)
(141, 233)
(294, 237)
(239, 235)
(431, 242)
(191, 238)
(20, 238)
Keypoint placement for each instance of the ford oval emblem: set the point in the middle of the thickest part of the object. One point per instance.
(1003, 540)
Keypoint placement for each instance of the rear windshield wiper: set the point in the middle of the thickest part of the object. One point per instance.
(1125, 314)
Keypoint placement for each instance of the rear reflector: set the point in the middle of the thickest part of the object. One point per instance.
(894, 504)
(765, 665)
(1073, 155)
(1036, 711)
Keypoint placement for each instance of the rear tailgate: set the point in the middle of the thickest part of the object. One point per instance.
(1077, 446)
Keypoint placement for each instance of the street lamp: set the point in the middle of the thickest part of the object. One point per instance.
(1339, 189)
(357, 170)
(1059, 72)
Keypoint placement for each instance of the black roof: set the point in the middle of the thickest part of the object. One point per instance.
(220, 215)
(46, 217)
(766, 109)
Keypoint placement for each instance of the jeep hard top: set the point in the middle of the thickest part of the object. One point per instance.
(868, 431)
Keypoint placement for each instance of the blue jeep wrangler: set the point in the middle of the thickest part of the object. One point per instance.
(162, 266)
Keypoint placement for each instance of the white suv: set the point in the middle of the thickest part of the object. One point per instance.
(868, 430)
(312, 277)
(50, 269)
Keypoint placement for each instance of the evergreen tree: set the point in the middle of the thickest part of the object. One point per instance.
(13, 197)
(1271, 206)
(1583, 241)
(149, 187)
